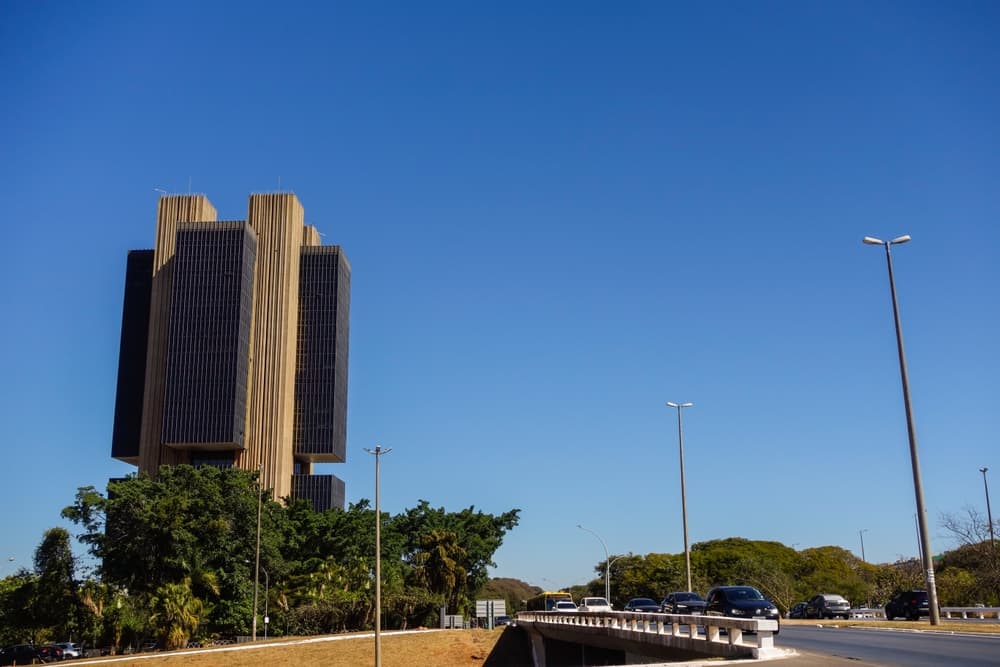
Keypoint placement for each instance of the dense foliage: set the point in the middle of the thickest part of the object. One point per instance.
(177, 557)
(965, 576)
(177, 562)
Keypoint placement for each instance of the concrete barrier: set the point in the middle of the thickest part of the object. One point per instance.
(972, 613)
(653, 635)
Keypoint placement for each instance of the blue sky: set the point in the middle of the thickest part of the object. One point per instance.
(559, 217)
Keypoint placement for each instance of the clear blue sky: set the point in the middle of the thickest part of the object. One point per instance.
(559, 216)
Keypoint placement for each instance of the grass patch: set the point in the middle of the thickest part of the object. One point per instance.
(431, 648)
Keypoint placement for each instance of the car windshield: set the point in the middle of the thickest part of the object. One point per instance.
(744, 593)
(638, 601)
(684, 597)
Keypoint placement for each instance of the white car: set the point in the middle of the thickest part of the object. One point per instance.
(594, 604)
(70, 650)
(564, 605)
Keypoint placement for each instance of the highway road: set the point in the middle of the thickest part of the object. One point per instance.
(899, 648)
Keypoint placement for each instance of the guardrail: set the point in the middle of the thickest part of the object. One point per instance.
(972, 613)
(868, 612)
(717, 636)
(952, 613)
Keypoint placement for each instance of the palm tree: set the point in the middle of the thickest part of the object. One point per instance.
(177, 612)
(439, 564)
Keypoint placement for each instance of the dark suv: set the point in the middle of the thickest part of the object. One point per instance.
(909, 604)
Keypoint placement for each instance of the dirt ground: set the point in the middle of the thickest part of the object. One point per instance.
(432, 648)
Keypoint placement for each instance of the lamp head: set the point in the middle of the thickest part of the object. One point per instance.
(871, 240)
(900, 239)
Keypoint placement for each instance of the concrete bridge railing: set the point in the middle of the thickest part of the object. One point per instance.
(655, 635)
(972, 613)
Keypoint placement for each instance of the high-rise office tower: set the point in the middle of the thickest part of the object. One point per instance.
(234, 347)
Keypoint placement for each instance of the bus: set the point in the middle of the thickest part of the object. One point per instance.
(546, 601)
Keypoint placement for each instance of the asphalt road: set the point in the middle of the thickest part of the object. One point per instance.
(900, 648)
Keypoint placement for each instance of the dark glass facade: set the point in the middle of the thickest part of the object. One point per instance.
(323, 491)
(132, 356)
(320, 433)
(208, 343)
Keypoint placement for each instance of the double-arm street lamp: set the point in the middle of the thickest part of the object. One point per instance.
(684, 510)
(377, 453)
(607, 563)
(918, 488)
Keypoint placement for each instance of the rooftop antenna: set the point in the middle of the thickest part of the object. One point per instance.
(279, 183)
(189, 185)
(161, 191)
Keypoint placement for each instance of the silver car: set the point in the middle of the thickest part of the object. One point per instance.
(70, 650)
(828, 605)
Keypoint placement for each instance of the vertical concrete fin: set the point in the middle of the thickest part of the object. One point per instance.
(278, 220)
(171, 210)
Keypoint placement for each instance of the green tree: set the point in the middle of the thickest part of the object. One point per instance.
(438, 564)
(55, 602)
(479, 535)
(177, 612)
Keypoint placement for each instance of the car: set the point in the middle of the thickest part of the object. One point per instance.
(741, 602)
(19, 654)
(564, 605)
(70, 650)
(798, 610)
(502, 620)
(909, 604)
(645, 605)
(683, 602)
(50, 653)
(828, 605)
(594, 604)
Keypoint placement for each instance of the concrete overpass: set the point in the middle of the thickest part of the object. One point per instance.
(561, 639)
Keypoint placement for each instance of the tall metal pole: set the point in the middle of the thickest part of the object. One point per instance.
(256, 574)
(267, 587)
(989, 514)
(377, 453)
(684, 511)
(607, 563)
(861, 534)
(911, 429)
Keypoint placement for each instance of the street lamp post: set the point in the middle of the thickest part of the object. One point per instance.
(377, 453)
(861, 534)
(684, 510)
(989, 514)
(256, 574)
(918, 487)
(607, 563)
(267, 586)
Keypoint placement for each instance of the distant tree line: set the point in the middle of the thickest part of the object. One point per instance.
(175, 561)
(967, 575)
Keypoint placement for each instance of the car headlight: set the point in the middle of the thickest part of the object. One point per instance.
(737, 612)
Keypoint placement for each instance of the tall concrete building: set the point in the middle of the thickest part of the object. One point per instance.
(234, 347)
